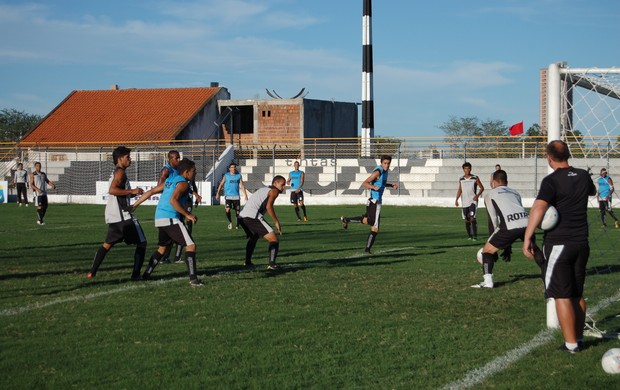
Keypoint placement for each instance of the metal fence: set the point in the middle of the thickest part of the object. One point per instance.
(425, 166)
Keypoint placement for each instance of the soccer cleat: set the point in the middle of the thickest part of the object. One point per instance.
(367, 252)
(136, 278)
(40, 223)
(20, 205)
(344, 221)
(90, 275)
(196, 283)
(165, 260)
(298, 220)
(273, 266)
(248, 264)
(179, 261)
(563, 347)
(616, 224)
(482, 285)
(229, 225)
(305, 219)
(237, 227)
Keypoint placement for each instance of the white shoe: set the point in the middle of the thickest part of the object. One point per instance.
(229, 225)
(482, 285)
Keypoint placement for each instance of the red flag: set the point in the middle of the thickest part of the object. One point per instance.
(516, 129)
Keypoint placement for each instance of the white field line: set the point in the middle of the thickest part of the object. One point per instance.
(135, 286)
(478, 375)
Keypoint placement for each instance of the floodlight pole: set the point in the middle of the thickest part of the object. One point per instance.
(368, 131)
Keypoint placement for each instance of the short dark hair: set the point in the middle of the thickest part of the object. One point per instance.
(558, 151)
(231, 164)
(278, 178)
(119, 152)
(500, 176)
(185, 165)
(173, 153)
(468, 165)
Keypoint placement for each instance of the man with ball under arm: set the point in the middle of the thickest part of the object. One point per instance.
(566, 246)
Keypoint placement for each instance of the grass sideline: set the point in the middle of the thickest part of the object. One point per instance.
(404, 317)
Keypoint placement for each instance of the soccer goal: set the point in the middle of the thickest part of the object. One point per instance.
(583, 109)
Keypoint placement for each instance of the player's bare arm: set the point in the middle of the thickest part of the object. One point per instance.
(145, 196)
(243, 188)
(458, 195)
(271, 198)
(219, 188)
(117, 190)
(481, 188)
(537, 213)
(181, 189)
(165, 173)
(368, 182)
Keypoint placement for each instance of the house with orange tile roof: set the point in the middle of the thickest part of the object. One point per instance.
(125, 115)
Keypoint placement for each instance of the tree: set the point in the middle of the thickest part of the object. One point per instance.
(15, 124)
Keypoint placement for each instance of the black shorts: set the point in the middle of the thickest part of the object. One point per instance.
(233, 204)
(176, 233)
(373, 212)
(297, 197)
(504, 238)
(40, 201)
(129, 231)
(469, 211)
(255, 226)
(564, 270)
(604, 205)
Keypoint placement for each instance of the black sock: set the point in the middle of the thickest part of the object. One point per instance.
(297, 212)
(273, 251)
(138, 260)
(468, 228)
(474, 229)
(356, 219)
(228, 216)
(99, 256)
(40, 214)
(155, 258)
(303, 208)
(249, 249)
(177, 255)
(371, 240)
(190, 259)
(488, 261)
(613, 215)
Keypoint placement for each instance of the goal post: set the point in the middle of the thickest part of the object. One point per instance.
(583, 108)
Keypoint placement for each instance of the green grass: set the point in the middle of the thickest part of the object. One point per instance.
(402, 318)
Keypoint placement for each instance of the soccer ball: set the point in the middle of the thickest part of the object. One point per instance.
(611, 361)
(479, 255)
(550, 219)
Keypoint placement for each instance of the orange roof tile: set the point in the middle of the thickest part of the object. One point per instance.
(121, 115)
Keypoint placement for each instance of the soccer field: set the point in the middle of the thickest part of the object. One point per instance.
(404, 317)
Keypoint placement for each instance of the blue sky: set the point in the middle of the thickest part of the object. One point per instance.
(432, 60)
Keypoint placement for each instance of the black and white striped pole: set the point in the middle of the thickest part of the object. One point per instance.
(368, 120)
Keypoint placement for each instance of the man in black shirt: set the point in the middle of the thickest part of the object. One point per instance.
(566, 246)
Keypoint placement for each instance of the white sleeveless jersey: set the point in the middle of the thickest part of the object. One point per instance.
(469, 189)
(505, 209)
(257, 204)
(40, 181)
(114, 209)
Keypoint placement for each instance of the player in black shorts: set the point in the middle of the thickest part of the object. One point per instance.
(509, 220)
(566, 247)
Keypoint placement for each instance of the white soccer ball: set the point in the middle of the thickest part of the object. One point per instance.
(611, 361)
(479, 255)
(550, 219)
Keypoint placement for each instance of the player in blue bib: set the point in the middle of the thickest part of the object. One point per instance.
(605, 190)
(376, 183)
(169, 215)
(232, 182)
(296, 180)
